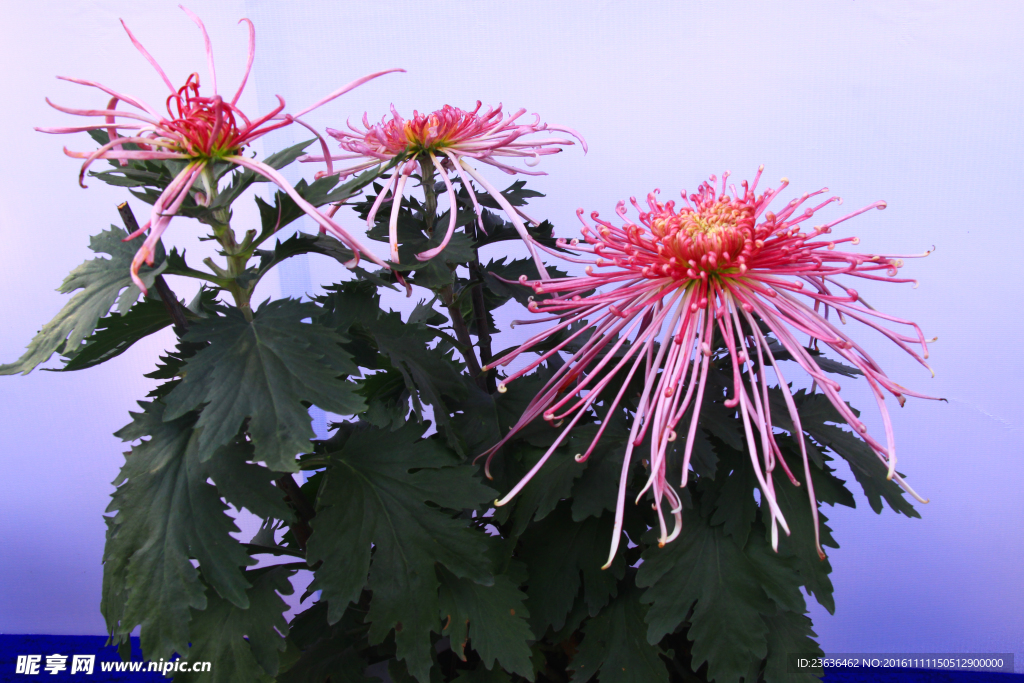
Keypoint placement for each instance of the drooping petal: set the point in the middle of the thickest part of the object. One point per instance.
(718, 267)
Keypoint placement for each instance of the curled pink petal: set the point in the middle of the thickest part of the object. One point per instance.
(458, 135)
(672, 283)
(198, 128)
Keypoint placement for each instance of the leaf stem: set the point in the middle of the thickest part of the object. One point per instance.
(303, 509)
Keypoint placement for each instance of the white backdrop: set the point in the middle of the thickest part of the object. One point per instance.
(918, 103)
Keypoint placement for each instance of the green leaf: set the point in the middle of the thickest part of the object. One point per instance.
(615, 647)
(790, 633)
(492, 618)
(318, 243)
(869, 471)
(328, 652)
(552, 484)
(167, 514)
(103, 282)
(242, 645)
(263, 370)
(429, 375)
(116, 333)
(371, 497)
(707, 571)
(482, 675)
(799, 545)
(557, 551)
(826, 364)
(596, 490)
(730, 501)
(427, 372)
(497, 272)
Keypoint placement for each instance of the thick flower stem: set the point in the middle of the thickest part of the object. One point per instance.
(462, 334)
(483, 332)
(429, 195)
(170, 301)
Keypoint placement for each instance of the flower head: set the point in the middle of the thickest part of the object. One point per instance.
(198, 129)
(665, 285)
(446, 139)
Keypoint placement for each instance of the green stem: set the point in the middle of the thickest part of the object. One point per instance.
(462, 334)
(429, 196)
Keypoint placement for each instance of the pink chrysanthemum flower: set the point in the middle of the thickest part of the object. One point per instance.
(664, 286)
(197, 129)
(455, 136)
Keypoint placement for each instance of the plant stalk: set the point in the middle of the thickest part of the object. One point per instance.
(170, 301)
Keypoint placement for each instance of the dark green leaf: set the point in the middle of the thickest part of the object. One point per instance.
(799, 545)
(706, 567)
(116, 333)
(550, 485)
(482, 675)
(167, 513)
(826, 364)
(329, 652)
(615, 646)
(429, 375)
(370, 496)
(103, 282)
(790, 633)
(730, 501)
(492, 618)
(242, 645)
(596, 490)
(869, 471)
(263, 370)
(557, 551)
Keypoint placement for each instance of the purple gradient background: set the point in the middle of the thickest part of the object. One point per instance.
(919, 103)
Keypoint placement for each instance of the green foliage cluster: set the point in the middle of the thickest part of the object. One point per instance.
(415, 574)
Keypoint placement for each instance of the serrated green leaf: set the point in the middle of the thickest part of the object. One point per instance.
(706, 570)
(730, 501)
(328, 652)
(370, 496)
(482, 675)
(557, 551)
(242, 645)
(493, 619)
(429, 375)
(799, 545)
(116, 333)
(615, 646)
(826, 364)
(427, 372)
(262, 370)
(167, 513)
(103, 282)
(869, 471)
(790, 633)
(554, 483)
(596, 490)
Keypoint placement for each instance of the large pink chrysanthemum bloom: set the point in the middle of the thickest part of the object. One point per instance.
(664, 286)
(200, 130)
(455, 135)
